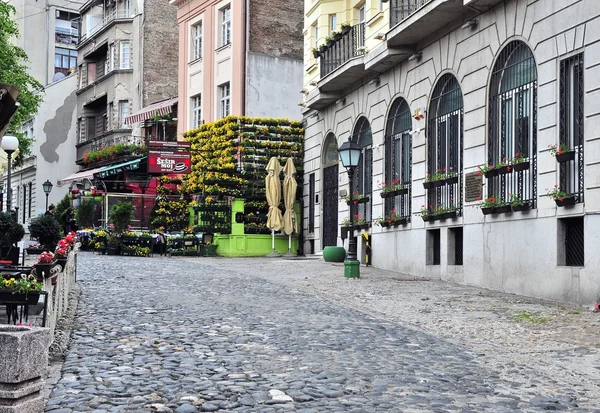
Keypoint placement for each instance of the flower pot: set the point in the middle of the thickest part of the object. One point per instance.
(566, 201)
(525, 207)
(7, 297)
(42, 270)
(346, 29)
(439, 183)
(316, 54)
(491, 173)
(337, 37)
(504, 170)
(523, 166)
(62, 261)
(488, 210)
(503, 209)
(565, 156)
(363, 200)
(451, 180)
(428, 185)
(334, 254)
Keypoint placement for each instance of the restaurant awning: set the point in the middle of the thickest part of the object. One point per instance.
(118, 168)
(78, 176)
(156, 109)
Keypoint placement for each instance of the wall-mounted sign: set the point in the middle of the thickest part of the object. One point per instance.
(473, 187)
(168, 162)
(170, 146)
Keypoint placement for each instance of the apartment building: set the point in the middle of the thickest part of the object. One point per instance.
(127, 61)
(49, 34)
(238, 58)
(484, 116)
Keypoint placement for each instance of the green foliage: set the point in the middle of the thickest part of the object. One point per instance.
(121, 215)
(13, 70)
(531, 318)
(111, 152)
(62, 206)
(171, 213)
(85, 214)
(11, 232)
(47, 230)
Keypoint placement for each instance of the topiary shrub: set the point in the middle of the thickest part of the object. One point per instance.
(11, 232)
(47, 230)
(121, 215)
(85, 214)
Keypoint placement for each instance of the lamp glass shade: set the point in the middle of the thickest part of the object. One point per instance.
(349, 154)
(10, 143)
(47, 186)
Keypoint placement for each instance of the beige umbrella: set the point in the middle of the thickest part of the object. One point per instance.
(273, 191)
(289, 197)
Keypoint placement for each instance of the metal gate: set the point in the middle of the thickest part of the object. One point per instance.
(329, 223)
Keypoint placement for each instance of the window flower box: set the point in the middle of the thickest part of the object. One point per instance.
(506, 169)
(439, 183)
(568, 201)
(451, 180)
(362, 200)
(491, 173)
(391, 194)
(503, 209)
(525, 207)
(428, 185)
(565, 156)
(521, 166)
(488, 210)
(9, 297)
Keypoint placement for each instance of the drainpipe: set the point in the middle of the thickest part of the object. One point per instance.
(47, 42)
(246, 13)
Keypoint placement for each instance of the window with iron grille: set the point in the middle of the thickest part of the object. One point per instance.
(571, 251)
(571, 124)
(512, 124)
(311, 203)
(197, 36)
(445, 144)
(398, 158)
(363, 175)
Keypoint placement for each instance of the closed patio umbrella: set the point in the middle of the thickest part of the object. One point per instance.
(273, 192)
(289, 198)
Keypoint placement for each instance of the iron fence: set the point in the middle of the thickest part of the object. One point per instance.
(348, 46)
(401, 9)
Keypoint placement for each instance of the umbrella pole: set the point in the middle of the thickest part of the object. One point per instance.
(289, 253)
(273, 253)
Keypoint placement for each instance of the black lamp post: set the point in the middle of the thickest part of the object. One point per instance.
(10, 144)
(350, 155)
(47, 186)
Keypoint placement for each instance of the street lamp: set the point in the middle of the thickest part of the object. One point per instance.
(10, 144)
(47, 186)
(350, 155)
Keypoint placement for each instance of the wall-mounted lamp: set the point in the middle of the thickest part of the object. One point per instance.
(415, 56)
(375, 81)
(470, 23)
(380, 36)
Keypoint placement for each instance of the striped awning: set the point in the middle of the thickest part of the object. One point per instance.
(156, 109)
(78, 176)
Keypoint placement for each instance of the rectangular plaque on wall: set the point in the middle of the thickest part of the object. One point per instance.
(473, 187)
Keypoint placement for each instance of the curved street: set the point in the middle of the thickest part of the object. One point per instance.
(212, 334)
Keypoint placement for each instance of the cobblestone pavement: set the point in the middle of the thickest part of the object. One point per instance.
(253, 335)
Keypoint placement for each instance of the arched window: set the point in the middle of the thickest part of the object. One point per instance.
(445, 145)
(363, 182)
(513, 125)
(330, 205)
(398, 158)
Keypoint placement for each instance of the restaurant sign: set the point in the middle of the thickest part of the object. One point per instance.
(168, 162)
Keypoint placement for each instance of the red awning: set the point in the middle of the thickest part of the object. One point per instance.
(156, 109)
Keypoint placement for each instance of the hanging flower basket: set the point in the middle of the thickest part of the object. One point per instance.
(565, 156)
(523, 166)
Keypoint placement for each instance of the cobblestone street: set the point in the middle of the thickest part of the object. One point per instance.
(211, 334)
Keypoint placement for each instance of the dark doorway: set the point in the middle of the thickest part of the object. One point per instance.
(330, 206)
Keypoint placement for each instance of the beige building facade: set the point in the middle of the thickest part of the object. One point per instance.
(436, 92)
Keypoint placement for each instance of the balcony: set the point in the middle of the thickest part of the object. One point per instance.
(411, 21)
(349, 45)
(66, 36)
(112, 16)
(108, 138)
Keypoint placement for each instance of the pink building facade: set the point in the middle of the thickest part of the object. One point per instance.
(229, 65)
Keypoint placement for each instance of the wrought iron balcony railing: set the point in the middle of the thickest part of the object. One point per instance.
(107, 19)
(402, 9)
(349, 44)
(110, 141)
(66, 36)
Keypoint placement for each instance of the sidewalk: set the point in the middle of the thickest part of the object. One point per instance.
(507, 330)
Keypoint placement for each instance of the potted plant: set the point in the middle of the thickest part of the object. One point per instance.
(561, 197)
(519, 163)
(562, 152)
(47, 230)
(62, 253)
(315, 52)
(517, 204)
(19, 289)
(44, 265)
(424, 213)
(113, 244)
(85, 214)
(120, 216)
(450, 176)
(346, 27)
(336, 35)
(429, 181)
(487, 170)
(11, 232)
(438, 179)
(502, 166)
(360, 222)
(396, 187)
(488, 206)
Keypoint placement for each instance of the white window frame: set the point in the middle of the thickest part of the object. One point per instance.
(225, 99)
(332, 22)
(316, 30)
(197, 40)
(196, 111)
(111, 57)
(225, 14)
(123, 113)
(124, 55)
